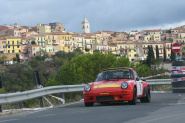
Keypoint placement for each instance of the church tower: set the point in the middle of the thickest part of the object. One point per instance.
(85, 26)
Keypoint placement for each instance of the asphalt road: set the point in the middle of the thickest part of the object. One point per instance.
(164, 108)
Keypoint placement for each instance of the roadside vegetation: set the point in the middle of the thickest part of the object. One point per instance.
(67, 69)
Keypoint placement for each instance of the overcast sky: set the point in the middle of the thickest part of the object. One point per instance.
(114, 15)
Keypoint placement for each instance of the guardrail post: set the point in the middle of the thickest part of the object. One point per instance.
(20, 103)
(38, 86)
(62, 96)
(41, 102)
(153, 89)
(1, 110)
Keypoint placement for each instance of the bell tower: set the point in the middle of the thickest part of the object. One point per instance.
(85, 26)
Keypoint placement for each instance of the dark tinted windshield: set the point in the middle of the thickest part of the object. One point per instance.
(115, 74)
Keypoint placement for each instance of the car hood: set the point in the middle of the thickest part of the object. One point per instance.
(108, 85)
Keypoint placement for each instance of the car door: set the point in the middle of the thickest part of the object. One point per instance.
(139, 84)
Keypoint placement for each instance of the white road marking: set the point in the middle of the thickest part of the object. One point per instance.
(161, 118)
(7, 120)
(45, 115)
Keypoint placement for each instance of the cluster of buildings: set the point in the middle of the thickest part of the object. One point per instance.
(30, 41)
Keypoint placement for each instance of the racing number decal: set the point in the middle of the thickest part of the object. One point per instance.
(139, 87)
(139, 84)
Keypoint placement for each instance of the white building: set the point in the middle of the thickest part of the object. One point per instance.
(85, 26)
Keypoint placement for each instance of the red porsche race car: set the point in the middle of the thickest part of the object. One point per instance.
(116, 84)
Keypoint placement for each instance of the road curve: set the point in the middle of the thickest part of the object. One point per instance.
(164, 108)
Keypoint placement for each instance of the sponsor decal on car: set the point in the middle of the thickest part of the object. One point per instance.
(104, 93)
(104, 86)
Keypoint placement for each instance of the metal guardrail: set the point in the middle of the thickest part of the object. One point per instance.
(159, 81)
(27, 95)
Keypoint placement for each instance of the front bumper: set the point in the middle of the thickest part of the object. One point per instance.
(123, 95)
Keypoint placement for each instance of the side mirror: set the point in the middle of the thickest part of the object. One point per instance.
(92, 81)
(143, 79)
(137, 79)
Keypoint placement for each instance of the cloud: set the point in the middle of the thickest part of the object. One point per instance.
(115, 15)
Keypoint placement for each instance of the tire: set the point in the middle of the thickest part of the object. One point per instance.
(134, 100)
(89, 104)
(146, 99)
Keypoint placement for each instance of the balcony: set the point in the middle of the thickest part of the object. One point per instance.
(88, 47)
(43, 46)
(81, 46)
(13, 44)
(168, 47)
(145, 47)
(41, 41)
(68, 45)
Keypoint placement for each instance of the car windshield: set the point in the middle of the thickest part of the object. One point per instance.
(115, 74)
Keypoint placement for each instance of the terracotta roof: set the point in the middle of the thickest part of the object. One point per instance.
(27, 33)
(121, 39)
(178, 29)
(159, 30)
(39, 35)
(27, 38)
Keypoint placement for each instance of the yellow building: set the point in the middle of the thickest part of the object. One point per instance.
(13, 45)
(182, 52)
(114, 49)
(152, 37)
(66, 42)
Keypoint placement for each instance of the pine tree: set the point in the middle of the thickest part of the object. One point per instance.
(148, 60)
(152, 52)
(157, 52)
(172, 54)
(164, 54)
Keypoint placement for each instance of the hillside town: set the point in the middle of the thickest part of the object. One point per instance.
(28, 42)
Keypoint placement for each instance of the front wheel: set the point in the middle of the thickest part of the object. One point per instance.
(89, 104)
(147, 98)
(134, 100)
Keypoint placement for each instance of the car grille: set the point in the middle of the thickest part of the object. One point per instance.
(104, 98)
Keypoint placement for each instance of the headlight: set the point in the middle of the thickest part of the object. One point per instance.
(87, 87)
(124, 85)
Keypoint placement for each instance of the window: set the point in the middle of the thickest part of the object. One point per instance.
(12, 51)
(132, 59)
(73, 39)
(8, 46)
(13, 47)
(4, 42)
(62, 37)
(4, 46)
(17, 42)
(25, 55)
(12, 42)
(33, 48)
(8, 51)
(19, 50)
(38, 38)
(134, 50)
(141, 45)
(17, 46)
(129, 50)
(40, 48)
(63, 42)
(53, 37)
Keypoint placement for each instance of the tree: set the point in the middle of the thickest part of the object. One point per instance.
(152, 52)
(149, 56)
(33, 42)
(172, 54)
(3, 58)
(164, 54)
(61, 54)
(157, 52)
(84, 68)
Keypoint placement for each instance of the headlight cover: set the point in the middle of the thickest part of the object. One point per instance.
(124, 85)
(87, 87)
